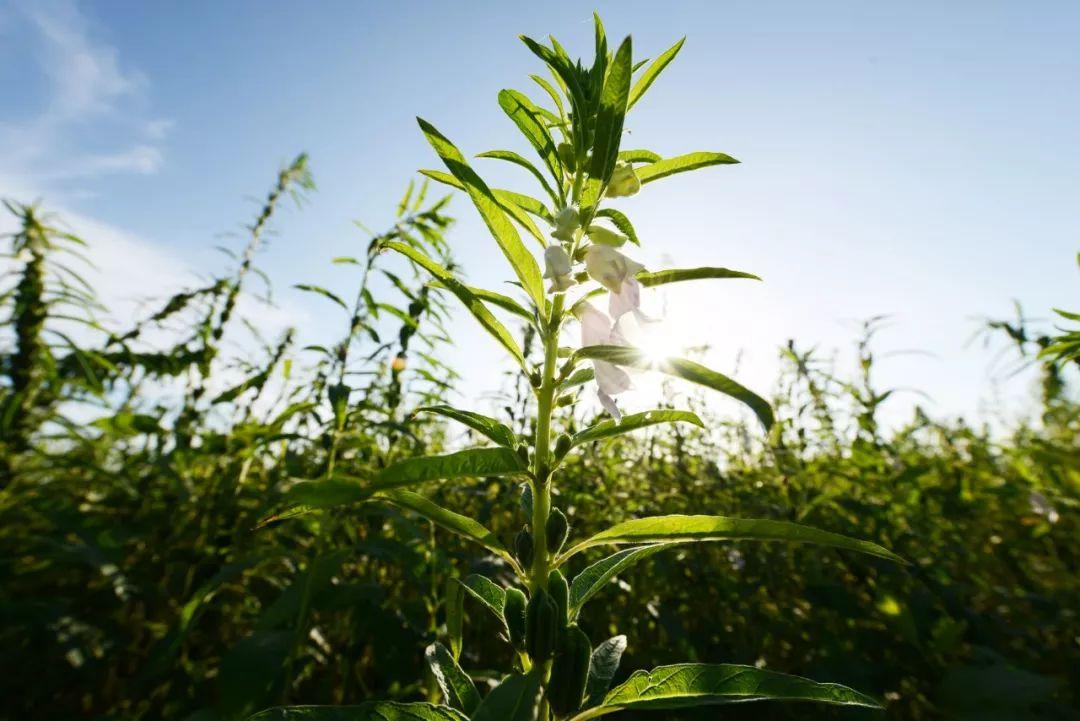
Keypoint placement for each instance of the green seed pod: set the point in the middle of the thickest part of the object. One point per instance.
(514, 615)
(566, 155)
(557, 530)
(542, 626)
(569, 672)
(559, 590)
(562, 446)
(523, 547)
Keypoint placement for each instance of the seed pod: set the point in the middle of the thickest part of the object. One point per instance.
(557, 530)
(542, 626)
(559, 590)
(514, 615)
(523, 547)
(569, 672)
(562, 446)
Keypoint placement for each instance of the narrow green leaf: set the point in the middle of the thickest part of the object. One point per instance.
(666, 529)
(610, 115)
(512, 157)
(653, 71)
(516, 205)
(515, 699)
(455, 613)
(678, 275)
(321, 291)
(681, 164)
(628, 424)
(523, 263)
(404, 204)
(484, 425)
(593, 579)
(372, 711)
(638, 156)
(681, 368)
(457, 688)
(490, 323)
(526, 115)
(700, 684)
(621, 222)
(472, 462)
(445, 518)
(602, 669)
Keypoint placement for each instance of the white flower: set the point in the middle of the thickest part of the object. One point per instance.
(624, 181)
(605, 236)
(557, 267)
(597, 329)
(1041, 505)
(609, 267)
(567, 221)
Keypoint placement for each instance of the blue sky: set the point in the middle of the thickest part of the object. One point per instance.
(917, 159)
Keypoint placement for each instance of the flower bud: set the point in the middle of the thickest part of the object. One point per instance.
(523, 547)
(606, 236)
(557, 529)
(567, 221)
(562, 446)
(514, 615)
(624, 182)
(557, 267)
(398, 364)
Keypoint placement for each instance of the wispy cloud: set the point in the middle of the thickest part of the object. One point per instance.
(90, 95)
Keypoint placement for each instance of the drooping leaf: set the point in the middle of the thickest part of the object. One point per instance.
(681, 164)
(471, 462)
(686, 685)
(515, 699)
(653, 71)
(593, 579)
(445, 518)
(490, 323)
(515, 204)
(621, 222)
(664, 529)
(512, 157)
(602, 669)
(484, 425)
(609, 428)
(523, 263)
(372, 711)
(681, 368)
(487, 592)
(457, 688)
(323, 292)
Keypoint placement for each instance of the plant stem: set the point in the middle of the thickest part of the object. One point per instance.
(541, 486)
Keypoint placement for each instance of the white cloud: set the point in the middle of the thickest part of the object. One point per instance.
(89, 90)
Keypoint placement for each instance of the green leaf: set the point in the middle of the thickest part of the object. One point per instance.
(701, 684)
(445, 518)
(472, 462)
(404, 204)
(611, 113)
(666, 529)
(457, 688)
(678, 275)
(515, 204)
(526, 115)
(653, 71)
(681, 368)
(593, 579)
(602, 668)
(512, 157)
(621, 222)
(514, 699)
(321, 291)
(455, 614)
(488, 427)
(490, 323)
(487, 592)
(524, 265)
(681, 164)
(372, 711)
(628, 424)
(638, 156)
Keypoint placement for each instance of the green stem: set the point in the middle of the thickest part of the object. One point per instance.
(541, 486)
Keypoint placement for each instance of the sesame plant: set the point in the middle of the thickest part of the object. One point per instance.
(553, 668)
